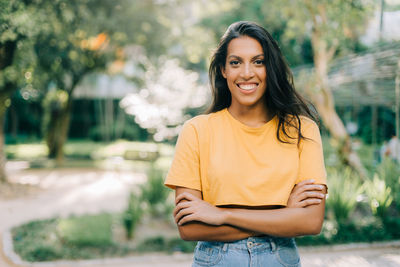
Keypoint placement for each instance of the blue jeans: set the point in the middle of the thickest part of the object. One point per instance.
(249, 252)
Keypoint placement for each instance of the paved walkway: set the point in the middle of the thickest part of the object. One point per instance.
(63, 192)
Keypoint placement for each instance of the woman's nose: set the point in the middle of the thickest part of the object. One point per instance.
(247, 71)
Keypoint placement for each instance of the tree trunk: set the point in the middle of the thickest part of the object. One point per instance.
(325, 104)
(3, 176)
(7, 51)
(57, 133)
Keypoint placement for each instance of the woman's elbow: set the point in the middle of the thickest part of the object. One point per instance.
(186, 234)
(314, 227)
(315, 230)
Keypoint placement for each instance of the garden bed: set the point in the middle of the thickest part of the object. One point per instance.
(93, 236)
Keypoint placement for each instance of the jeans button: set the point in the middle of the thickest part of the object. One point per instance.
(250, 244)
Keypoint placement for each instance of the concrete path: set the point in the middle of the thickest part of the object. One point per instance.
(63, 192)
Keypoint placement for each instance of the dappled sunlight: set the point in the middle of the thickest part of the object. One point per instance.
(350, 255)
(107, 187)
(69, 191)
(65, 178)
(168, 90)
(349, 261)
(12, 166)
(395, 258)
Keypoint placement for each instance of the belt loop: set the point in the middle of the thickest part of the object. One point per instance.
(225, 247)
(273, 244)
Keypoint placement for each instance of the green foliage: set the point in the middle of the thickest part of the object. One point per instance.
(33, 241)
(389, 171)
(88, 230)
(343, 189)
(155, 194)
(379, 196)
(118, 131)
(384, 128)
(83, 149)
(132, 215)
(353, 231)
(42, 240)
(26, 151)
(160, 243)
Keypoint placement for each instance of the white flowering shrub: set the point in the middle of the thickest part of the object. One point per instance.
(168, 90)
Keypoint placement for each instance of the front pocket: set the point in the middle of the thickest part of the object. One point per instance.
(207, 253)
(287, 254)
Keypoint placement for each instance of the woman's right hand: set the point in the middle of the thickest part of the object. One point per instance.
(306, 193)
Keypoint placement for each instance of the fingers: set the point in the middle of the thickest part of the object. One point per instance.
(186, 196)
(186, 219)
(311, 194)
(309, 201)
(181, 214)
(306, 193)
(184, 209)
(179, 206)
(299, 188)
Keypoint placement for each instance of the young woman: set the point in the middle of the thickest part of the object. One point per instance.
(249, 175)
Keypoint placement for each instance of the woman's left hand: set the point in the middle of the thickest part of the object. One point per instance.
(195, 209)
(305, 194)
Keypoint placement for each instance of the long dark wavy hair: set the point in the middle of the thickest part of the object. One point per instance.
(280, 97)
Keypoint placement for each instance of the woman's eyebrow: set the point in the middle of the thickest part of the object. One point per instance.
(260, 55)
(234, 56)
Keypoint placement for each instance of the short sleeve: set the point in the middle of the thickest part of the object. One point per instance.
(311, 157)
(185, 168)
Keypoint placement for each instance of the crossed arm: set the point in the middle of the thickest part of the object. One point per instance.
(199, 220)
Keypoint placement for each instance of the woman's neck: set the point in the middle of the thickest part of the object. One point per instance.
(251, 116)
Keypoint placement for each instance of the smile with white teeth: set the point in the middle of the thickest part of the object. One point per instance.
(247, 87)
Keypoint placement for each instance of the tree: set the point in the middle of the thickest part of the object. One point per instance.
(333, 23)
(74, 45)
(19, 21)
(84, 37)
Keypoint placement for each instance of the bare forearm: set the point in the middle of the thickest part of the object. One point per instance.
(197, 231)
(285, 222)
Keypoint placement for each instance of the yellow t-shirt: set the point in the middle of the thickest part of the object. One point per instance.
(234, 164)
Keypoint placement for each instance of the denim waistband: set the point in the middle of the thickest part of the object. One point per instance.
(262, 243)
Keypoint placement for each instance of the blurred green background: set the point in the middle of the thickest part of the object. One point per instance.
(97, 84)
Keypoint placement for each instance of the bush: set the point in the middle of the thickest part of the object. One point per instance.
(389, 171)
(88, 230)
(379, 196)
(160, 243)
(343, 190)
(34, 241)
(42, 241)
(155, 194)
(132, 215)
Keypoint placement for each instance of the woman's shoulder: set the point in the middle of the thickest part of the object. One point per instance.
(307, 121)
(205, 120)
(307, 125)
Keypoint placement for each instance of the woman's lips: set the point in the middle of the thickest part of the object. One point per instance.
(247, 88)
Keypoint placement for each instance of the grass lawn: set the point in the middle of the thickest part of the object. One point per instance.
(82, 153)
(94, 236)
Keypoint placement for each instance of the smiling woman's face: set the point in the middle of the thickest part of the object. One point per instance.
(245, 73)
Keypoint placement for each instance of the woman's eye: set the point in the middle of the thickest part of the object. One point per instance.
(259, 62)
(234, 62)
